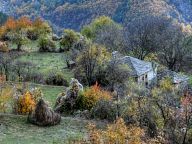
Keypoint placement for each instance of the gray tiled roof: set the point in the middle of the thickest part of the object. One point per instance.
(175, 77)
(137, 66)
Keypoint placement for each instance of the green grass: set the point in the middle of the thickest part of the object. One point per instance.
(16, 130)
(51, 93)
(47, 62)
(30, 46)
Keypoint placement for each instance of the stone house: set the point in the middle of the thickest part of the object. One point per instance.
(146, 72)
(142, 71)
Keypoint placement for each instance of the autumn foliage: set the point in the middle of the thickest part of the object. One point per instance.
(13, 24)
(90, 96)
(117, 132)
(36, 26)
(25, 103)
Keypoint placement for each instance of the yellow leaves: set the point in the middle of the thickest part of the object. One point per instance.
(166, 84)
(97, 24)
(152, 57)
(95, 52)
(2, 30)
(94, 134)
(24, 22)
(117, 132)
(25, 103)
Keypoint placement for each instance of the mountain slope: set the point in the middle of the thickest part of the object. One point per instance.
(76, 13)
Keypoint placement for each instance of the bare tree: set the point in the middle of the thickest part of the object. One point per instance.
(111, 36)
(172, 46)
(140, 34)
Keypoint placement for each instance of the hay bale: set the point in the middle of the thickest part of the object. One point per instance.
(43, 115)
(67, 103)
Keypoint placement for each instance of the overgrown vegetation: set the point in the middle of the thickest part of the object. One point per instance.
(108, 84)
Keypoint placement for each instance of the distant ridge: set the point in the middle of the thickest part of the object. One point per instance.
(76, 13)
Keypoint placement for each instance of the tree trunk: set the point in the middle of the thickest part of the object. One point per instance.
(19, 47)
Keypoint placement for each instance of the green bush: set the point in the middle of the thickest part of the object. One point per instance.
(32, 34)
(56, 79)
(70, 37)
(104, 110)
(46, 45)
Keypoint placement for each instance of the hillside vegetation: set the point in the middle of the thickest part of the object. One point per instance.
(120, 75)
(76, 13)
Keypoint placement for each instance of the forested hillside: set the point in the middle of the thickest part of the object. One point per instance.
(76, 13)
(3, 18)
(96, 71)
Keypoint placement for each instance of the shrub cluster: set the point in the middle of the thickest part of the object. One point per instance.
(56, 79)
(104, 110)
(46, 45)
(26, 102)
(90, 96)
(117, 132)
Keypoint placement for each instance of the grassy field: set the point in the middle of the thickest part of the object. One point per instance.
(30, 46)
(50, 93)
(15, 130)
(47, 62)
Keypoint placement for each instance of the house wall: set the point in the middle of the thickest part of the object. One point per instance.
(151, 75)
(147, 78)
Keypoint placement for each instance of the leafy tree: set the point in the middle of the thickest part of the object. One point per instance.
(46, 45)
(16, 30)
(41, 28)
(105, 31)
(70, 37)
(90, 31)
(90, 60)
(18, 37)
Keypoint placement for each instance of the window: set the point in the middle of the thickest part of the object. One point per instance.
(146, 76)
(143, 78)
(136, 79)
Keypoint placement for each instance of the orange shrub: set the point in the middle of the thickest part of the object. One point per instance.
(117, 132)
(25, 103)
(90, 96)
